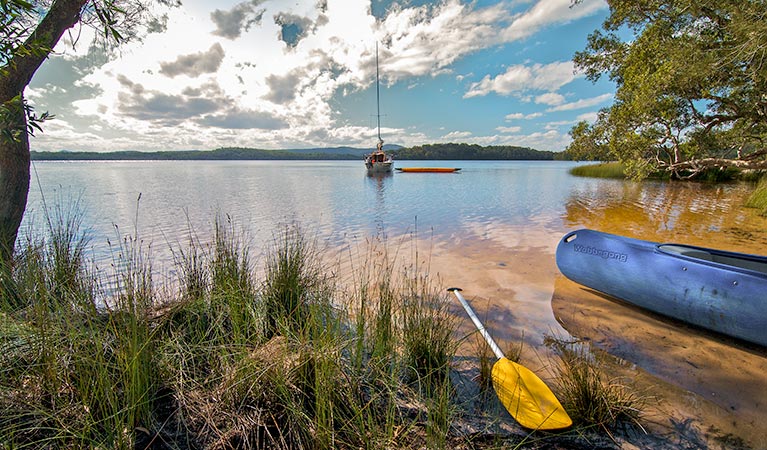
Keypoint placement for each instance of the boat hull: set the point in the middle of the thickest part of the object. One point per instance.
(380, 167)
(673, 280)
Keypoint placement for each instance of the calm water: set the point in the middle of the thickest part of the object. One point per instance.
(337, 201)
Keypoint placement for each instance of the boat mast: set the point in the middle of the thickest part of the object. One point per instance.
(378, 101)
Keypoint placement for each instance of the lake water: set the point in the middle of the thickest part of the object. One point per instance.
(337, 200)
(334, 199)
(492, 229)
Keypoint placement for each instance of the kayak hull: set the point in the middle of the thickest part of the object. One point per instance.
(725, 292)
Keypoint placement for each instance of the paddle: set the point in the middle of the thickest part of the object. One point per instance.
(522, 393)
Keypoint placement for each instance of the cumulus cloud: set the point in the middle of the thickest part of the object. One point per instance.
(550, 98)
(517, 116)
(588, 117)
(273, 96)
(521, 78)
(457, 135)
(236, 118)
(293, 28)
(195, 64)
(427, 39)
(583, 103)
(231, 23)
(282, 89)
(166, 108)
(549, 12)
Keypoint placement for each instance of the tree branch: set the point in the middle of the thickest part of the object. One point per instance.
(62, 15)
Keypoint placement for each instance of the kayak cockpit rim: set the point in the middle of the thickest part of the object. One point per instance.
(736, 261)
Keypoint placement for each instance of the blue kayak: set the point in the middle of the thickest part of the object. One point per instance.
(718, 290)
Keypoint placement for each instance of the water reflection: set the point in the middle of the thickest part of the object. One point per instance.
(693, 213)
(379, 182)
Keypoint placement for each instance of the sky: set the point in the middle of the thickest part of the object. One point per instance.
(285, 74)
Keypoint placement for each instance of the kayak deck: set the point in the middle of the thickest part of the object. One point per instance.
(727, 258)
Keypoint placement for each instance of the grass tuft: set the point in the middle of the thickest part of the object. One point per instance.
(589, 395)
(601, 170)
(758, 198)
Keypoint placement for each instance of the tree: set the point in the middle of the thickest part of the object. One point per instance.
(29, 30)
(588, 143)
(690, 77)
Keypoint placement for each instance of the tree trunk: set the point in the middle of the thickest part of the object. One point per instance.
(14, 152)
(14, 182)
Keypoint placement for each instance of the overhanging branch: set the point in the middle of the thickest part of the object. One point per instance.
(698, 165)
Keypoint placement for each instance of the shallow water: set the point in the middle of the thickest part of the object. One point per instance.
(491, 229)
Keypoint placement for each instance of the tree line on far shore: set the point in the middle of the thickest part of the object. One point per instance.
(449, 151)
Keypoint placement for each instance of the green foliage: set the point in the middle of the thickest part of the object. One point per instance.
(758, 198)
(589, 143)
(690, 83)
(13, 127)
(429, 152)
(471, 152)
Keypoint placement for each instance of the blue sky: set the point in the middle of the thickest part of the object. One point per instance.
(301, 73)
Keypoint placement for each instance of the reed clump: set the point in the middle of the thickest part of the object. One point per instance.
(590, 396)
(601, 170)
(758, 198)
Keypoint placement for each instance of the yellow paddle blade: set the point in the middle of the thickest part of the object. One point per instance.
(527, 398)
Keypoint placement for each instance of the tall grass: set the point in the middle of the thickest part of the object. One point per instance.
(601, 170)
(291, 361)
(758, 198)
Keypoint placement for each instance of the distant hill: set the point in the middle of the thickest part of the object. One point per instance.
(226, 153)
(358, 152)
(448, 151)
(453, 151)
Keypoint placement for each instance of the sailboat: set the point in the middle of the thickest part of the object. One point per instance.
(378, 161)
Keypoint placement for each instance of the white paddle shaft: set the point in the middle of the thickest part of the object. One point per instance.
(480, 327)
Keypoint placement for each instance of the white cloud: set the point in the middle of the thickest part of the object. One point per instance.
(549, 12)
(580, 104)
(508, 129)
(521, 78)
(556, 125)
(268, 74)
(456, 135)
(196, 64)
(517, 116)
(427, 39)
(588, 117)
(551, 140)
(550, 98)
